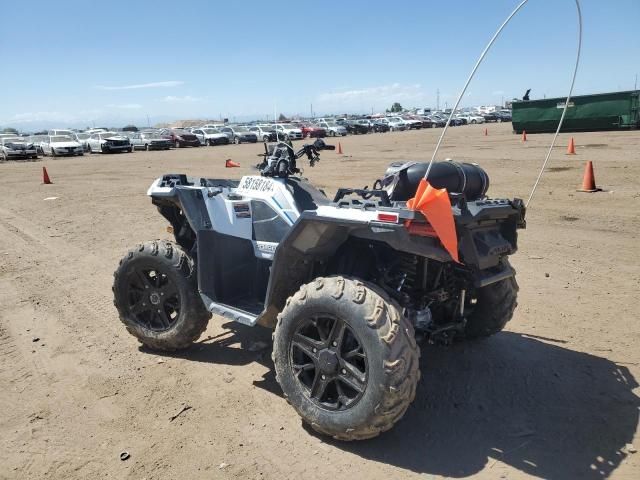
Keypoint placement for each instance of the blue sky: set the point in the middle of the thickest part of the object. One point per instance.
(73, 63)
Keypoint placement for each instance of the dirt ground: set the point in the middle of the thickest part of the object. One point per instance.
(554, 396)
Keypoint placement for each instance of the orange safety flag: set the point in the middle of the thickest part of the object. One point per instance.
(434, 204)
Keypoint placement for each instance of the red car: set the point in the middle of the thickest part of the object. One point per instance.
(180, 138)
(311, 131)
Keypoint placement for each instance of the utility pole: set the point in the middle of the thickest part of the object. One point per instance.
(635, 84)
(438, 99)
(311, 111)
(502, 101)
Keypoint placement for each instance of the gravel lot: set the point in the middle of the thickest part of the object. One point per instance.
(554, 396)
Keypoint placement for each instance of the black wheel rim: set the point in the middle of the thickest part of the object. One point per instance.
(329, 362)
(152, 298)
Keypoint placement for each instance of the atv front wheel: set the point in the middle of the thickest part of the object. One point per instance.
(492, 308)
(156, 294)
(346, 358)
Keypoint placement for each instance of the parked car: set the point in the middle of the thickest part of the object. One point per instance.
(180, 137)
(460, 117)
(108, 142)
(455, 121)
(82, 138)
(311, 131)
(266, 133)
(411, 122)
(355, 127)
(491, 117)
(210, 136)
(378, 126)
(17, 147)
(333, 128)
(290, 132)
(471, 118)
(437, 121)
(60, 145)
(394, 123)
(149, 140)
(239, 134)
(504, 116)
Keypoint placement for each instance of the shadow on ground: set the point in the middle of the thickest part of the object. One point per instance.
(543, 409)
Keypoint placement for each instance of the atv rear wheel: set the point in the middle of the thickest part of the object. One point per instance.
(493, 308)
(156, 294)
(346, 358)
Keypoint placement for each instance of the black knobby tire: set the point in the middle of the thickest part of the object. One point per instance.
(493, 308)
(159, 277)
(389, 357)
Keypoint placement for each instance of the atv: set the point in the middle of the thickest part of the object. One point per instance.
(348, 284)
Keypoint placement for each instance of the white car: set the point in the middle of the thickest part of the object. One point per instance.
(333, 129)
(107, 142)
(288, 131)
(471, 118)
(210, 136)
(58, 145)
(17, 147)
(266, 133)
(412, 123)
(395, 123)
(82, 138)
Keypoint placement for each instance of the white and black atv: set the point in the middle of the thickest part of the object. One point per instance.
(347, 284)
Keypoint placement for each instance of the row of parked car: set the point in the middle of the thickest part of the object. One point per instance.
(68, 142)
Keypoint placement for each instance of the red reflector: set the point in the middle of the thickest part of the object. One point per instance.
(421, 229)
(388, 217)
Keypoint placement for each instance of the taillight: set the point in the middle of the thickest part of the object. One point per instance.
(388, 217)
(420, 229)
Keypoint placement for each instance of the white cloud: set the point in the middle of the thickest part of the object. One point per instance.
(126, 106)
(376, 96)
(33, 117)
(171, 83)
(184, 99)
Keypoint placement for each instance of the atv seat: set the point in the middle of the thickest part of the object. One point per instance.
(305, 195)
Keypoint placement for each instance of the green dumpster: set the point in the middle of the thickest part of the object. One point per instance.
(601, 111)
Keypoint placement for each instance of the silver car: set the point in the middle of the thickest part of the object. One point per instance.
(333, 129)
(149, 141)
(210, 136)
(17, 147)
(239, 134)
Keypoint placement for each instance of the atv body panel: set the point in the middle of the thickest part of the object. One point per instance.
(258, 240)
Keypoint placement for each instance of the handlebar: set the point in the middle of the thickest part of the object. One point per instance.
(281, 161)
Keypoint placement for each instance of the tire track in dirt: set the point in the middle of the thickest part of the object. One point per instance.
(39, 294)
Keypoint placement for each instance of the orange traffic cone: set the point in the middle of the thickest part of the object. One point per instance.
(571, 149)
(339, 152)
(524, 136)
(230, 163)
(45, 177)
(588, 180)
(486, 132)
